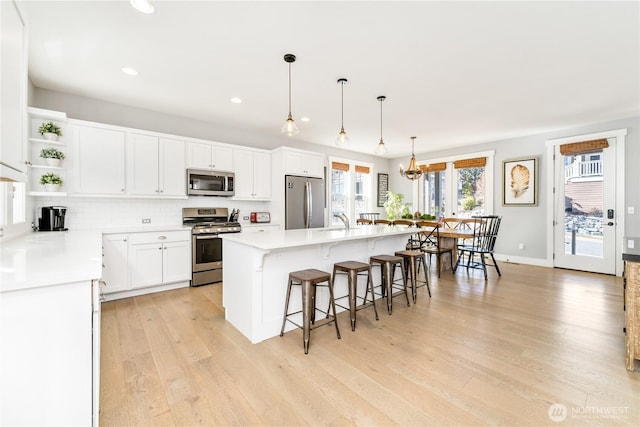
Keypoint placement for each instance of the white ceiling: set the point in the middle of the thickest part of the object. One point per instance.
(454, 73)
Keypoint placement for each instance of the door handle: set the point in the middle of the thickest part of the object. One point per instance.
(610, 223)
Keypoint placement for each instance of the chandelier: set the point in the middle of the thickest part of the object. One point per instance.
(413, 172)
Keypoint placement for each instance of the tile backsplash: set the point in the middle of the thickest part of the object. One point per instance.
(96, 213)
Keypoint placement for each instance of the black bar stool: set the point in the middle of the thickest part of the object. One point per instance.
(388, 264)
(353, 269)
(308, 280)
(412, 261)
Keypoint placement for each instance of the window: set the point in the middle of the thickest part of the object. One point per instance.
(350, 189)
(468, 176)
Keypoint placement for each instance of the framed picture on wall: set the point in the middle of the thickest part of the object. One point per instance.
(520, 182)
(383, 188)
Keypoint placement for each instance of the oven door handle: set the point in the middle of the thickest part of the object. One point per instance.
(206, 237)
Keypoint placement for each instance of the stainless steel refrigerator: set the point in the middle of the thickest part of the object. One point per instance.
(304, 202)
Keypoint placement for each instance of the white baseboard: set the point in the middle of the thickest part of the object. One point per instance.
(524, 260)
(143, 291)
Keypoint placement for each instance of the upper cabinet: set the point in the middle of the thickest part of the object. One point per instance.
(202, 155)
(48, 152)
(303, 163)
(100, 161)
(253, 174)
(13, 87)
(155, 166)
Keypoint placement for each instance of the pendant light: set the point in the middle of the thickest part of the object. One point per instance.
(381, 150)
(413, 172)
(290, 127)
(342, 139)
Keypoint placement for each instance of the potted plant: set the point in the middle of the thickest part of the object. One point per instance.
(50, 131)
(51, 181)
(52, 156)
(394, 205)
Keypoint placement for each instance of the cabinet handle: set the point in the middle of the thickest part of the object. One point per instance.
(162, 237)
(157, 191)
(160, 248)
(124, 240)
(122, 190)
(162, 191)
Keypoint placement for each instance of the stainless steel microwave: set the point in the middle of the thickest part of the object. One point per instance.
(202, 182)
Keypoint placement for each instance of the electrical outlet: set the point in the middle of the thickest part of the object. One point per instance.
(245, 218)
(631, 243)
(146, 220)
(631, 210)
(521, 246)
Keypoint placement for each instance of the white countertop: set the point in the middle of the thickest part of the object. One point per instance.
(50, 258)
(278, 239)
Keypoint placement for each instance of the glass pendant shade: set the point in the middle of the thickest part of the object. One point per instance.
(342, 138)
(381, 149)
(290, 128)
(413, 172)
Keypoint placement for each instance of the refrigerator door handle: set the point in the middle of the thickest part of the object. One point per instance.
(305, 207)
(310, 204)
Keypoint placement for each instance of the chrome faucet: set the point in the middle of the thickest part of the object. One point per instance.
(343, 218)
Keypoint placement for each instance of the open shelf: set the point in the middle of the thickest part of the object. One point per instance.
(46, 167)
(45, 141)
(48, 193)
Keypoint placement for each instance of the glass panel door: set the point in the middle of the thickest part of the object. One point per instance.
(584, 231)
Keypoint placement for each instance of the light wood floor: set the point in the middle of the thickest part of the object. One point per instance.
(498, 353)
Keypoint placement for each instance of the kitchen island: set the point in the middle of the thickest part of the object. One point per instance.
(257, 266)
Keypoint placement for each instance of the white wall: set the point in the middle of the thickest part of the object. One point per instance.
(529, 225)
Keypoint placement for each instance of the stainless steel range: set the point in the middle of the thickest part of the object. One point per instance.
(206, 244)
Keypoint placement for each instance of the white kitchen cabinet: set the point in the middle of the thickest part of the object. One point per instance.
(48, 372)
(13, 87)
(209, 156)
(303, 164)
(145, 261)
(159, 258)
(114, 262)
(252, 174)
(100, 161)
(155, 166)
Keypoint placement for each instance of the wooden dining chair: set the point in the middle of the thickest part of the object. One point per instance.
(369, 215)
(485, 234)
(382, 221)
(406, 222)
(432, 244)
(363, 221)
(451, 222)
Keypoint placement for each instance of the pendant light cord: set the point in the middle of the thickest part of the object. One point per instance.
(342, 105)
(289, 89)
(381, 120)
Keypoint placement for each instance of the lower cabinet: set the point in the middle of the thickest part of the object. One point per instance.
(138, 263)
(51, 375)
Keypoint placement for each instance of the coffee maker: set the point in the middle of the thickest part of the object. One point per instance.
(52, 218)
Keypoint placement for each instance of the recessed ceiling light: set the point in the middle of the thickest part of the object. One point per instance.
(304, 119)
(143, 6)
(129, 71)
(236, 100)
